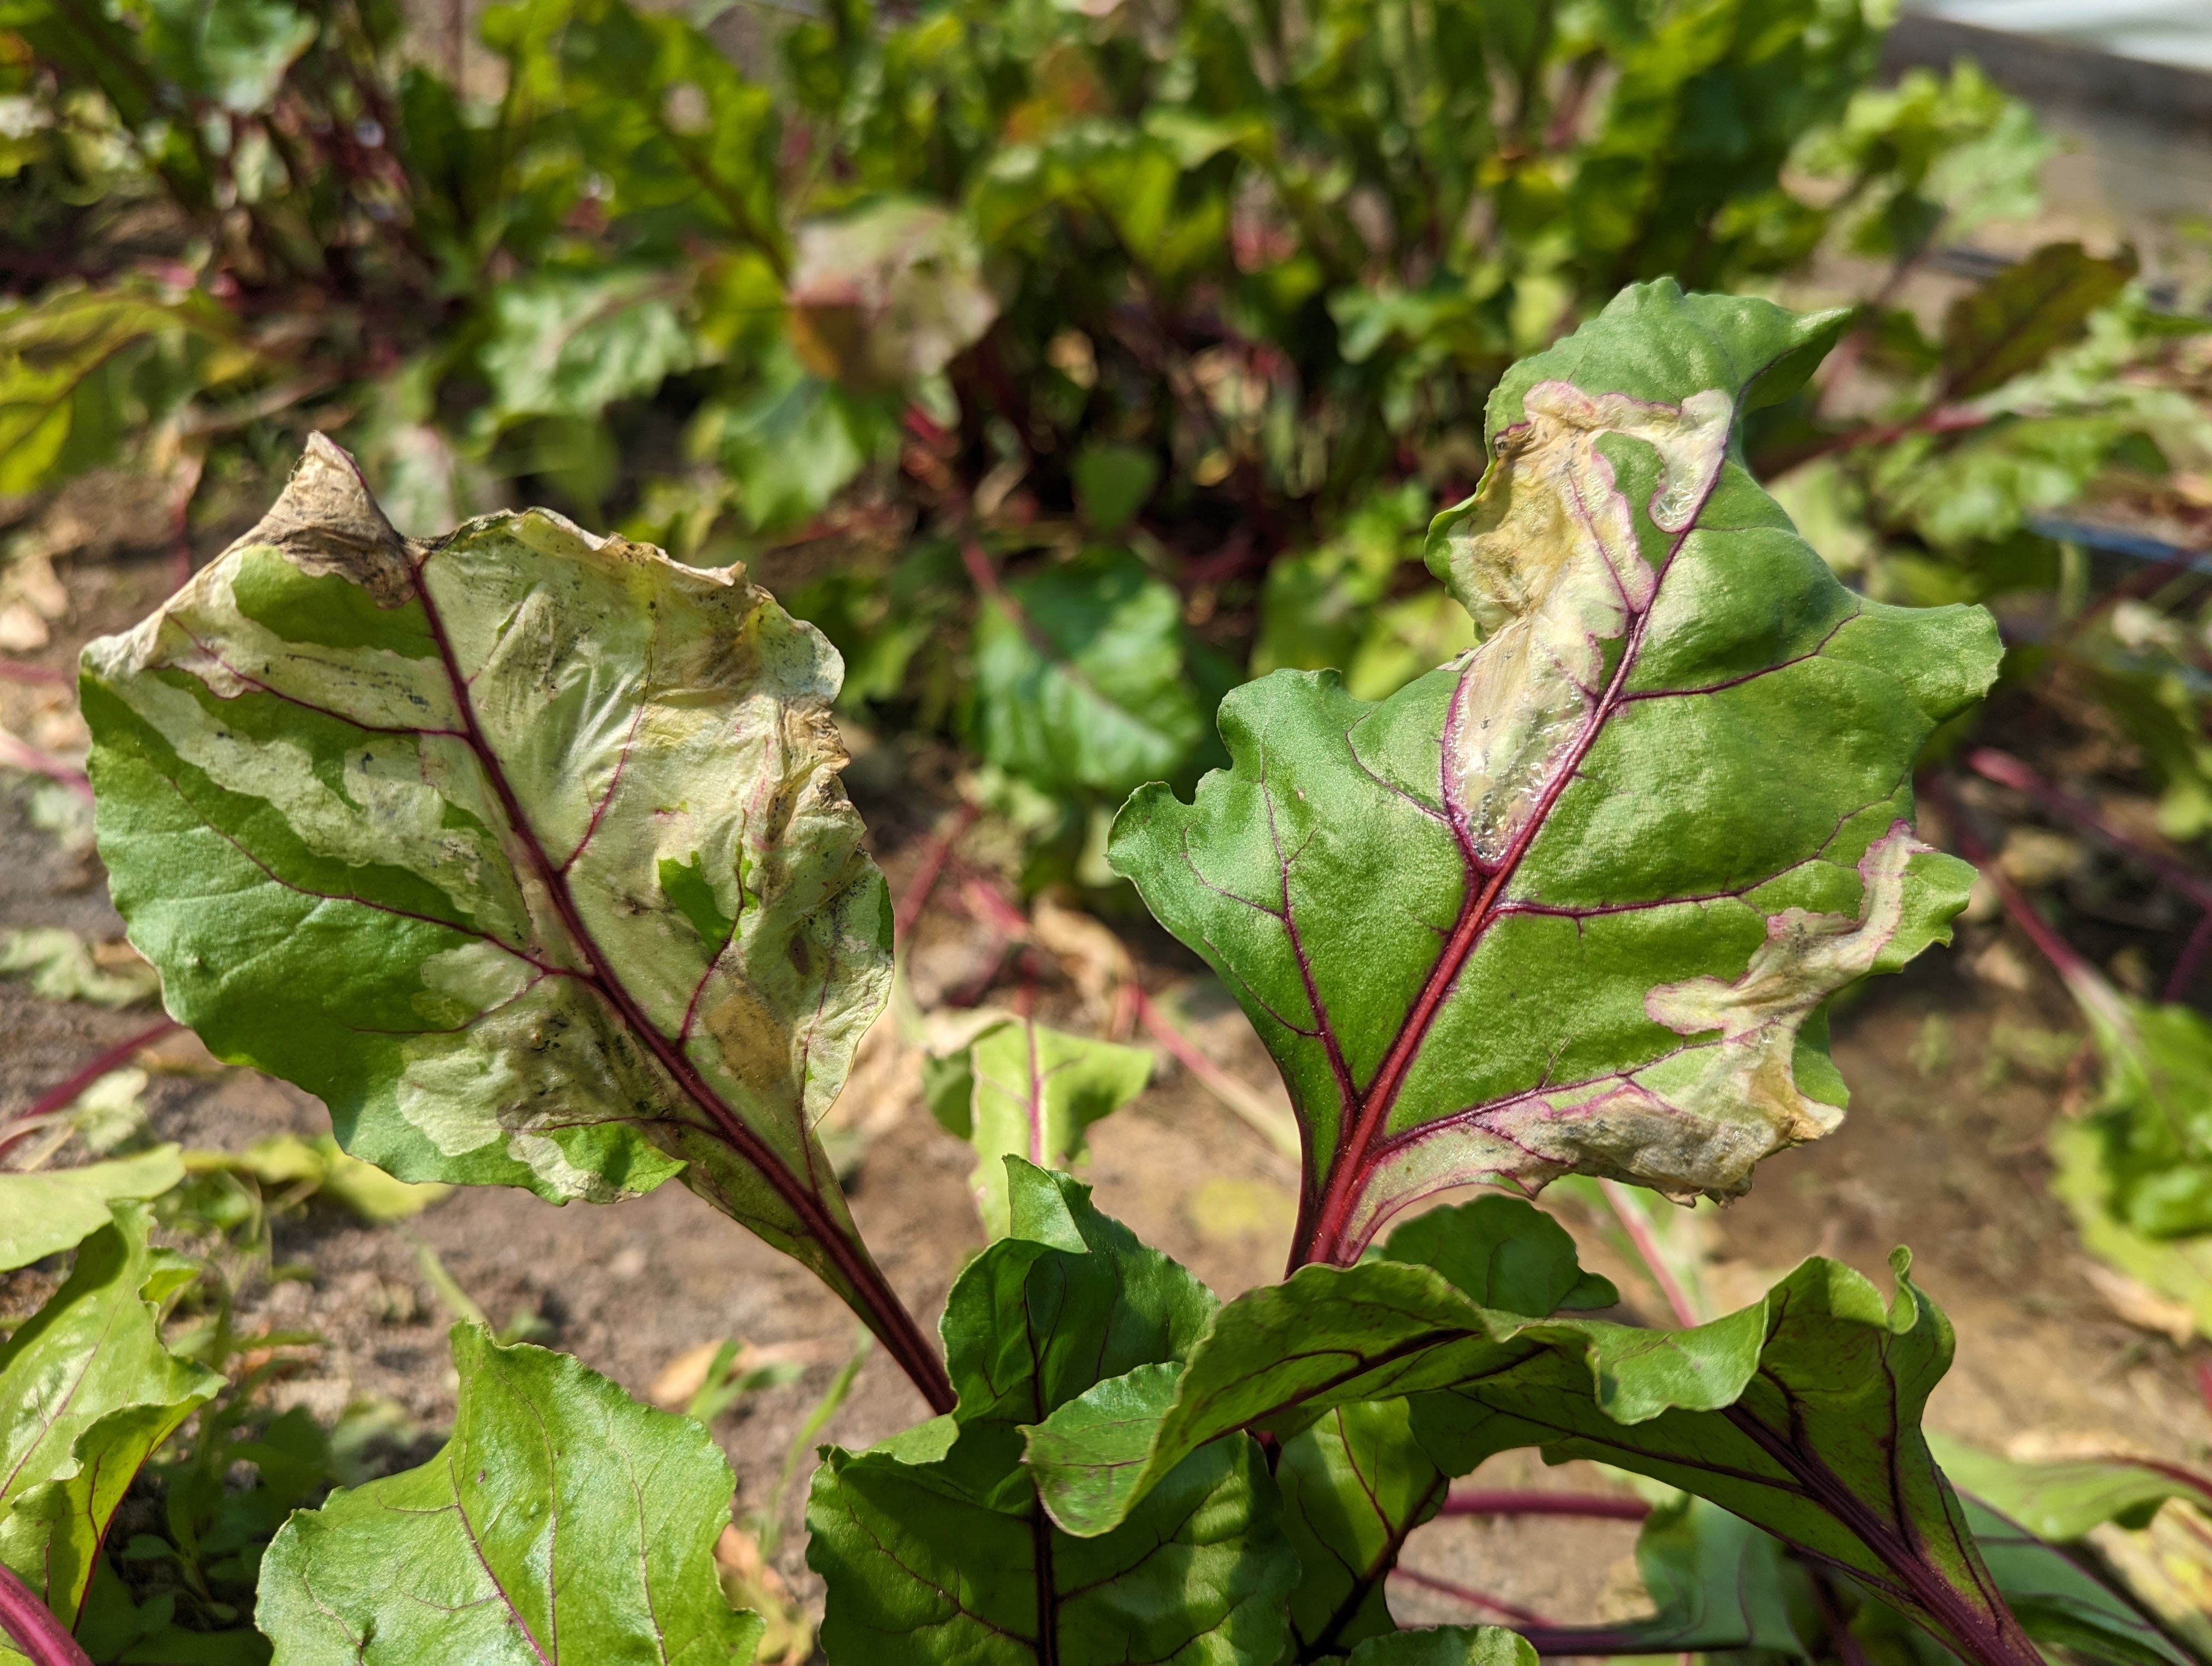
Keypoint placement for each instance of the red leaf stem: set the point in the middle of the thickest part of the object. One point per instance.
(2064, 959)
(2192, 954)
(64, 1093)
(2007, 770)
(19, 754)
(31, 1625)
(14, 670)
(1478, 1599)
(1529, 1501)
(915, 897)
(1637, 1224)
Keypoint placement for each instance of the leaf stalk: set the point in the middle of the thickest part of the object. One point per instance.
(31, 1625)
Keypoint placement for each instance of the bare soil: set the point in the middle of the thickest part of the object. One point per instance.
(1943, 1150)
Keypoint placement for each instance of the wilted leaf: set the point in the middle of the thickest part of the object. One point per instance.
(524, 850)
(1800, 1414)
(562, 1521)
(1023, 1088)
(1081, 678)
(87, 1393)
(43, 1214)
(933, 1544)
(2019, 317)
(1574, 901)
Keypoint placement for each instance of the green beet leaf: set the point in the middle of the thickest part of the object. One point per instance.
(2019, 317)
(1354, 1485)
(86, 1395)
(2180, 1268)
(1446, 1646)
(523, 849)
(1574, 902)
(1718, 1584)
(563, 1521)
(568, 345)
(1800, 1414)
(1082, 679)
(2063, 1500)
(933, 1546)
(1502, 1252)
(1357, 1482)
(42, 1213)
(1721, 1584)
(1023, 1089)
(2061, 1601)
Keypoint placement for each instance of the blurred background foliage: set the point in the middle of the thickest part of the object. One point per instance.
(1068, 361)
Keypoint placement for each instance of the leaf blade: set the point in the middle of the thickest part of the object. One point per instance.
(1658, 953)
(392, 817)
(587, 1524)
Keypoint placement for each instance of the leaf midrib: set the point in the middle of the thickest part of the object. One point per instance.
(602, 978)
(1355, 1159)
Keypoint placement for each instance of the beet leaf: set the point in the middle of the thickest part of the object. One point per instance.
(934, 1545)
(1574, 902)
(563, 1522)
(1801, 1413)
(86, 1395)
(523, 849)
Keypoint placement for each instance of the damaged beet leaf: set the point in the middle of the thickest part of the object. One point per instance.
(523, 849)
(934, 1545)
(1573, 903)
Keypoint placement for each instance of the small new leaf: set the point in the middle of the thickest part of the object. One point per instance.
(563, 1521)
(1029, 1092)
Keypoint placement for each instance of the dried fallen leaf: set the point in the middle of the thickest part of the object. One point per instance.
(749, 1581)
(2140, 1305)
(684, 1376)
(1089, 953)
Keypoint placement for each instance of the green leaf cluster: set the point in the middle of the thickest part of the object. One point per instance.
(1184, 321)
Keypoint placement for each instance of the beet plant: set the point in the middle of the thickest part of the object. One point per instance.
(525, 850)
